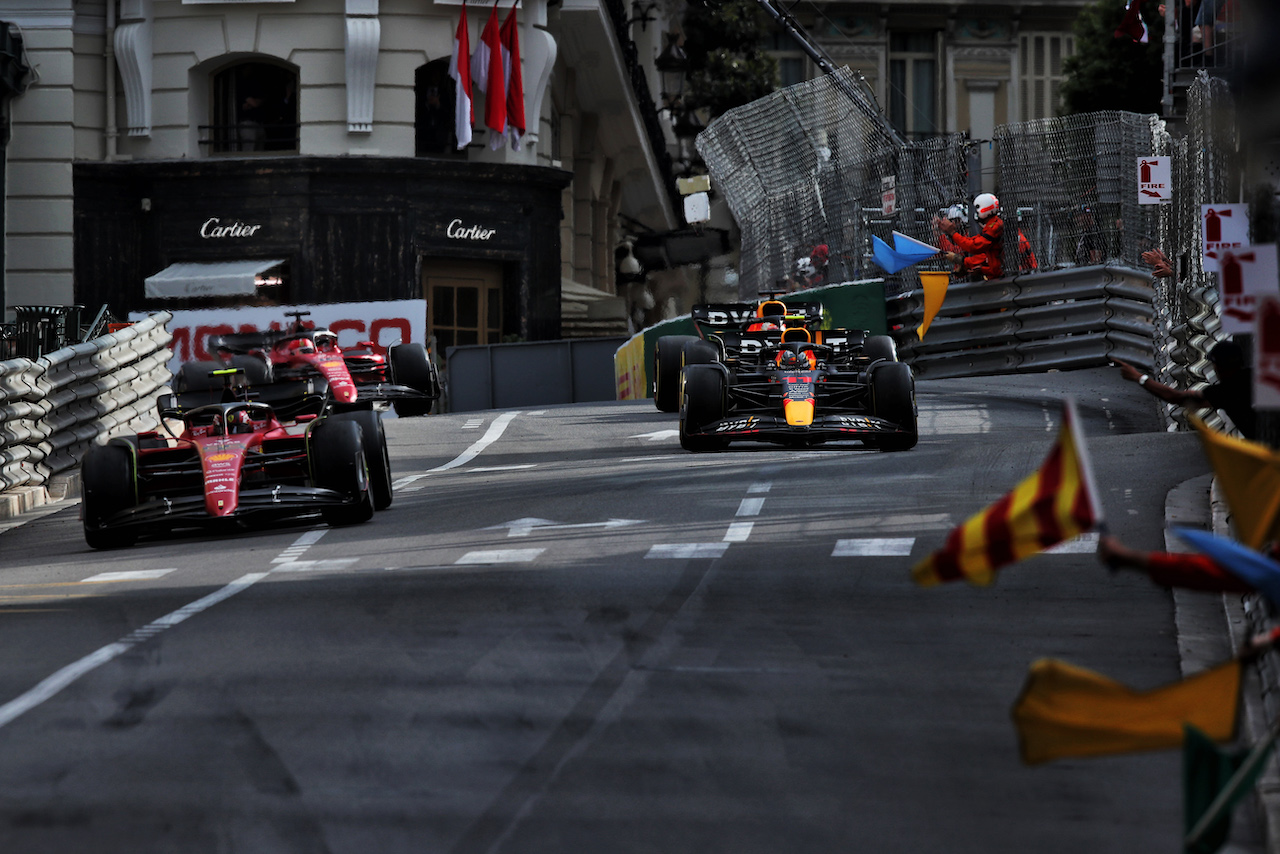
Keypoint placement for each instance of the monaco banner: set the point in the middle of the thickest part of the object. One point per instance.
(384, 323)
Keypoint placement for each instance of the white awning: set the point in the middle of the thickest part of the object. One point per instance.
(208, 279)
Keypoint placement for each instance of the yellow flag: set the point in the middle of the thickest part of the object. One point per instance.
(935, 291)
(1067, 711)
(1249, 476)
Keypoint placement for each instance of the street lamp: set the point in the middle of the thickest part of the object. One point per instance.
(672, 64)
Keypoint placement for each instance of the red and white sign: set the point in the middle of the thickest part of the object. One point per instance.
(1222, 227)
(888, 195)
(384, 323)
(1155, 181)
(1266, 373)
(1246, 273)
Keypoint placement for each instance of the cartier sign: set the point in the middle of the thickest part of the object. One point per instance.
(214, 227)
(471, 232)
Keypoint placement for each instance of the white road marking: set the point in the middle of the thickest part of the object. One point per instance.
(490, 436)
(1083, 544)
(762, 486)
(874, 547)
(315, 565)
(687, 550)
(738, 532)
(516, 467)
(499, 556)
(522, 527)
(473, 424)
(657, 435)
(51, 685)
(750, 507)
(132, 575)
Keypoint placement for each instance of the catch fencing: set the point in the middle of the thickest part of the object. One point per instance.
(52, 408)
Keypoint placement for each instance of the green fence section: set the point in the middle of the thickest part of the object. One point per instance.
(848, 305)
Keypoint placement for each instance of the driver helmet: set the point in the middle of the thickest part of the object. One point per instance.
(325, 340)
(301, 345)
(791, 360)
(985, 205)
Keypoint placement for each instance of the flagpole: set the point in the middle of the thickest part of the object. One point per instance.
(1086, 464)
(1229, 792)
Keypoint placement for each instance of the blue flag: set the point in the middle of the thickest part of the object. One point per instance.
(905, 252)
(1253, 568)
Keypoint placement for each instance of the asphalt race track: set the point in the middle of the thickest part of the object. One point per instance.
(569, 635)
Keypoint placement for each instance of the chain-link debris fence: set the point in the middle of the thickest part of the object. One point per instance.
(804, 168)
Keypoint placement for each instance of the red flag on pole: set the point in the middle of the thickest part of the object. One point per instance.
(460, 71)
(488, 75)
(515, 79)
(1132, 24)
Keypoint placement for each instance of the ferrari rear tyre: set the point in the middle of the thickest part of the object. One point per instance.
(257, 372)
(411, 366)
(668, 358)
(893, 398)
(375, 454)
(194, 376)
(702, 403)
(108, 478)
(880, 347)
(338, 463)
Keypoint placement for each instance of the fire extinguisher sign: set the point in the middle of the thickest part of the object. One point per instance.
(1245, 275)
(1155, 181)
(1222, 227)
(1266, 337)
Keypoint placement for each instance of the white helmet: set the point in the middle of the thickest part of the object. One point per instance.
(985, 205)
(958, 212)
(804, 266)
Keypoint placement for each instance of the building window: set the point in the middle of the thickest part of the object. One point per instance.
(913, 84)
(1040, 56)
(255, 108)
(792, 68)
(434, 99)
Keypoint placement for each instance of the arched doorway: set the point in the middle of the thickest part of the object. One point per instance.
(433, 121)
(255, 108)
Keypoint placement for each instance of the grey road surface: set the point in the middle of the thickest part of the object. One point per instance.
(568, 635)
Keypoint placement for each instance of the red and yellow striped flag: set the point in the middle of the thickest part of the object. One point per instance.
(1054, 504)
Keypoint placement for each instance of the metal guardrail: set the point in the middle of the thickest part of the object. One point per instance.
(54, 407)
(1071, 318)
(496, 376)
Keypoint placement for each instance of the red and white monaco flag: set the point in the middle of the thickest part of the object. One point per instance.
(515, 79)
(488, 76)
(460, 71)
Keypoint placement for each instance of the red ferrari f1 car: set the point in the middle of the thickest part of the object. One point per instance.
(357, 377)
(234, 462)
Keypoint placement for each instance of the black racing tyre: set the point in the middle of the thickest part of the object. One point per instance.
(257, 372)
(880, 347)
(893, 398)
(411, 366)
(108, 484)
(375, 453)
(194, 376)
(702, 403)
(338, 463)
(668, 358)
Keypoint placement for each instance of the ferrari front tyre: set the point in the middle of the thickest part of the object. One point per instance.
(893, 398)
(108, 484)
(668, 358)
(375, 453)
(411, 366)
(702, 403)
(880, 347)
(338, 463)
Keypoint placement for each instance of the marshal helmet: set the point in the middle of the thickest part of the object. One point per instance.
(985, 205)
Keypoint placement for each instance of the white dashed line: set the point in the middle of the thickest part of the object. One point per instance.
(762, 486)
(738, 532)
(687, 550)
(133, 575)
(874, 547)
(499, 556)
(1083, 544)
(473, 424)
(750, 507)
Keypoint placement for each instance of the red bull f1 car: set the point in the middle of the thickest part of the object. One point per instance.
(234, 462)
(357, 377)
(765, 378)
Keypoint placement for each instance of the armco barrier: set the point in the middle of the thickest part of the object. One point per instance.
(846, 305)
(53, 408)
(1071, 318)
(493, 376)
